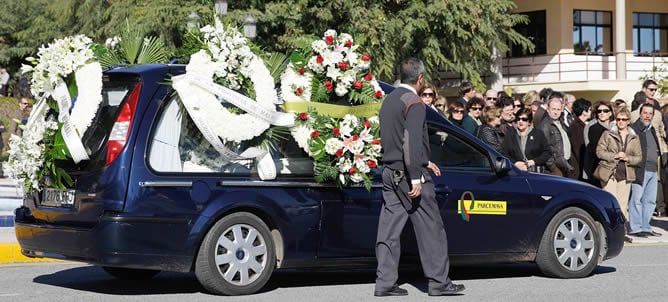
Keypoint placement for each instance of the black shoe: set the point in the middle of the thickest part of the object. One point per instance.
(449, 290)
(394, 291)
(639, 234)
(659, 214)
(652, 234)
(628, 239)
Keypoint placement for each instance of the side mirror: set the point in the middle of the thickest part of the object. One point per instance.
(502, 165)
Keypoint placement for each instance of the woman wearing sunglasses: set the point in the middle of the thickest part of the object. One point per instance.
(603, 120)
(619, 150)
(457, 115)
(474, 107)
(428, 94)
(527, 147)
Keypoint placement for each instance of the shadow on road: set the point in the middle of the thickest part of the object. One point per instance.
(94, 279)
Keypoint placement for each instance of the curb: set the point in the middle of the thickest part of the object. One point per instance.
(11, 253)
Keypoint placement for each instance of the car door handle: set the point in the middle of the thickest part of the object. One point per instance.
(442, 189)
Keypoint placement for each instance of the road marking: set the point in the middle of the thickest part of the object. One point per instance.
(11, 252)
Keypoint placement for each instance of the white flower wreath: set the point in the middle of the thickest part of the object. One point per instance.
(231, 126)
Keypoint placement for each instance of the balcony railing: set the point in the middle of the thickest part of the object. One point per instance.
(571, 67)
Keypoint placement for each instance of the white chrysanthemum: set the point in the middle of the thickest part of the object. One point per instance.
(332, 58)
(374, 120)
(332, 145)
(345, 129)
(301, 134)
(351, 120)
(356, 177)
(360, 163)
(344, 165)
(319, 46)
(356, 147)
(341, 90)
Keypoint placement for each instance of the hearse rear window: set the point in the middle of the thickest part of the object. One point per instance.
(177, 146)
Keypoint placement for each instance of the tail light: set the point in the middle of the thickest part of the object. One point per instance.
(121, 129)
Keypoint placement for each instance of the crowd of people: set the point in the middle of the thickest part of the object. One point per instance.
(617, 145)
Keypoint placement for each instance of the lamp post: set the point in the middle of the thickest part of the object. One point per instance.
(220, 7)
(193, 20)
(250, 26)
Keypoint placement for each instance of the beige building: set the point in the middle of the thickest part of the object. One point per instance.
(597, 49)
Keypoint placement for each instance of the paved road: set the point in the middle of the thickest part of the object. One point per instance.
(638, 274)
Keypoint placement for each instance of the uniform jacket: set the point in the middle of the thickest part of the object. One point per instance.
(608, 147)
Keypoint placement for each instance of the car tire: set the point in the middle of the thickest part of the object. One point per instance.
(130, 273)
(570, 247)
(237, 256)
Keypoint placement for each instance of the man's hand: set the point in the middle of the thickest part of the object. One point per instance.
(434, 169)
(415, 190)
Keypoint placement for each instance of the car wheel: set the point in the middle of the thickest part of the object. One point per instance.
(570, 245)
(130, 273)
(237, 255)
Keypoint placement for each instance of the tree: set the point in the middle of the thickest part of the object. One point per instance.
(450, 35)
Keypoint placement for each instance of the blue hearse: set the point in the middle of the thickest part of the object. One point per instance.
(153, 197)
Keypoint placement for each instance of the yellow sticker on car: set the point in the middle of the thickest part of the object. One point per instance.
(482, 207)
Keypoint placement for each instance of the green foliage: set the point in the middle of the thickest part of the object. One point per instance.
(134, 47)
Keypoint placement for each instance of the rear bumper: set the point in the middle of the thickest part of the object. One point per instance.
(109, 243)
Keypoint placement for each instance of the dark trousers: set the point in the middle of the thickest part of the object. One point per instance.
(426, 218)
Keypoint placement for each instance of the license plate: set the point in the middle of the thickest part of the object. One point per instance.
(58, 198)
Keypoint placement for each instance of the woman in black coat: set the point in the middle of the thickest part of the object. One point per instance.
(526, 147)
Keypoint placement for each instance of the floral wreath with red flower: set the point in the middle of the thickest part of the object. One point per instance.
(331, 70)
(345, 150)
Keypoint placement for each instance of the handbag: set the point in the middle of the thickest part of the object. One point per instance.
(620, 171)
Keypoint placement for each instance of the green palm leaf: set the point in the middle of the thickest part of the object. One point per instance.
(153, 51)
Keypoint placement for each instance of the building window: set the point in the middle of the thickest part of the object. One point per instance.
(650, 34)
(592, 32)
(535, 31)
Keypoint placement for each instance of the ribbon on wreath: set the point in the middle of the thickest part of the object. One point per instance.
(72, 139)
(197, 93)
(335, 111)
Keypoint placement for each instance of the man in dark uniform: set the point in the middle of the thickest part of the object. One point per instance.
(408, 191)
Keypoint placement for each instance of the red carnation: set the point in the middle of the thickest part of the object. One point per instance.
(301, 70)
(319, 59)
(329, 40)
(339, 153)
(367, 124)
(349, 43)
(329, 86)
(337, 132)
(299, 91)
(343, 65)
(352, 170)
(356, 137)
(368, 77)
(376, 142)
(372, 164)
(303, 116)
(366, 57)
(378, 94)
(315, 134)
(358, 85)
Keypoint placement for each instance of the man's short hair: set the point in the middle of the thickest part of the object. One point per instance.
(581, 105)
(545, 93)
(505, 100)
(411, 69)
(554, 95)
(646, 83)
(465, 88)
(648, 105)
(640, 98)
